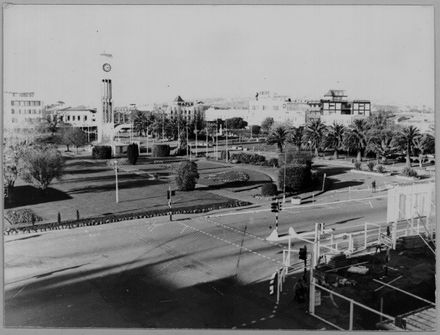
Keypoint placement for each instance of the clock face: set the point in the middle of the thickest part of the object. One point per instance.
(106, 67)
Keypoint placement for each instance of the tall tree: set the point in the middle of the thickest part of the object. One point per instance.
(424, 144)
(39, 165)
(315, 132)
(408, 137)
(141, 122)
(236, 123)
(279, 137)
(296, 136)
(382, 143)
(267, 124)
(356, 137)
(335, 138)
(74, 136)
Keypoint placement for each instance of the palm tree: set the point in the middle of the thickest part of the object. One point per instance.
(383, 144)
(357, 137)
(408, 137)
(315, 133)
(335, 137)
(140, 122)
(425, 143)
(296, 136)
(279, 137)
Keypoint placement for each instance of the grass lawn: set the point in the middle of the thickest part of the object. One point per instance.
(89, 187)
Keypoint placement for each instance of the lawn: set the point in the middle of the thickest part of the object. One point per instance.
(89, 187)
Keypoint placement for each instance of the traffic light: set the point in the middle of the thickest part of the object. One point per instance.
(274, 207)
(280, 205)
(170, 194)
(303, 253)
(273, 283)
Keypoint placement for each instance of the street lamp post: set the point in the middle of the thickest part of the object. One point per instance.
(206, 132)
(115, 163)
(226, 128)
(187, 142)
(195, 130)
(284, 179)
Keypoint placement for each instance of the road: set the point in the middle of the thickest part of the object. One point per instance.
(194, 272)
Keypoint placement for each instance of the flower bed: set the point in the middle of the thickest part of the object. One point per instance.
(229, 177)
(94, 221)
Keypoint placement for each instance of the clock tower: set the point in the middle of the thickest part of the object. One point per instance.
(105, 110)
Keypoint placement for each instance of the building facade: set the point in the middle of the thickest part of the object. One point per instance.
(336, 108)
(79, 117)
(187, 110)
(23, 113)
(281, 108)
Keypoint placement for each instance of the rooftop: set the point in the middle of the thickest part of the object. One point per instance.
(78, 109)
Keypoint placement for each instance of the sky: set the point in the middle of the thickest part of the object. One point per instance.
(381, 53)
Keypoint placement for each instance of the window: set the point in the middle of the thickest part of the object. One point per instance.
(14, 120)
(19, 111)
(85, 117)
(12, 111)
(263, 107)
(12, 103)
(73, 117)
(68, 117)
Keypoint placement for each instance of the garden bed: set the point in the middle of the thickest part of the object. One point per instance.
(372, 173)
(103, 219)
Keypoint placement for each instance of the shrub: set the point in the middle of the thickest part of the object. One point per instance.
(132, 153)
(269, 189)
(317, 178)
(357, 165)
(161, 150)
(246, 158)
(273, 162)
(370, 166)
(409, 172)
(380, 169)
(39, 165)
(24, 215)
(102, 152)
(187, 175)
(298, 177)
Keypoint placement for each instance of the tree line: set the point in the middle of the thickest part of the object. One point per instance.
(376, 135)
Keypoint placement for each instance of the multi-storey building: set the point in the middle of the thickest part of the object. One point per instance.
(187, 110)
(335, 108)
(23, 113)
(281, 108)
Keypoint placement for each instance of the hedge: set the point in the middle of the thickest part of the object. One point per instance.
(93, 221)
(102, 152)
(269, 189)
(298, 177)
(161, 150)
(296, 157)
(132, 153)
(24, 215)
(246, 158)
